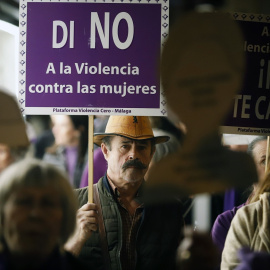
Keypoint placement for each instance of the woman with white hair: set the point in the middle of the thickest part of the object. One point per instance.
(37, 216)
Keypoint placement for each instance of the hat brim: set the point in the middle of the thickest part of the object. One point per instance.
(98, 137)
(14, 134)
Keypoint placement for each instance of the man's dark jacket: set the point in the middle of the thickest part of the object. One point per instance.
(157, 239)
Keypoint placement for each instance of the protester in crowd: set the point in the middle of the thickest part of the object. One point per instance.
(5, 157)
(100, 168)
(70, 149)
(42, 142)
(247, 246)
(257, 149)
(161, 127)
(9, 155)
(42, 126)
(250, 228)
(135, 236)
(37, 216)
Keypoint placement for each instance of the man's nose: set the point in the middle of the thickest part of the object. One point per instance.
(133, 152)
(35, 211)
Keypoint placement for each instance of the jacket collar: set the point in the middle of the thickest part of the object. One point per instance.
(112, 192)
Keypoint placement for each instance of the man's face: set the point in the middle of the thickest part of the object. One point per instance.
(128, 160)
(259, 155)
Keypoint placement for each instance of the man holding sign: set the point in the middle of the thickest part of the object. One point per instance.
(135, 236)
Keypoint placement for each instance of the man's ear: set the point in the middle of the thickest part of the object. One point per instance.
(2, 220)
(104, 150)
(153, 151)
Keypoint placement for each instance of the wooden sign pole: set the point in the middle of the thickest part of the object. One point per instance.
(90, 157)
(267, 154)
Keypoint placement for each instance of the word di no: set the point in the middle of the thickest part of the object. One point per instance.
(95, 25)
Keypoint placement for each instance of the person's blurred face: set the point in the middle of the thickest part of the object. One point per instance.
(128, 160)
(238, 147)
(259, 155)
(32, 221)
(63, 130)
(5, 157)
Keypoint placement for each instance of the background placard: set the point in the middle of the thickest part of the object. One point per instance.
(250, 112)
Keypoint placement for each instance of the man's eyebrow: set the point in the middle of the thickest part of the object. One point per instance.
(143, 142)
(126, 141)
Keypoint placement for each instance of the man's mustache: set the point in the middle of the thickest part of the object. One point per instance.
(134, 163)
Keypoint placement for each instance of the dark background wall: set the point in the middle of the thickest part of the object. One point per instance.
(9, 9)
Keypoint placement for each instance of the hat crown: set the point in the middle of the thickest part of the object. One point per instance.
(130, 126)
(12, 126)
(133, 127)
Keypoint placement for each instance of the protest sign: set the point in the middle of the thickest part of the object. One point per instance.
(251, 107)
(91, 57)
(201, 74)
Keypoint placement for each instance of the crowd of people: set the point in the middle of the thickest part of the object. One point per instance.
(45, 224)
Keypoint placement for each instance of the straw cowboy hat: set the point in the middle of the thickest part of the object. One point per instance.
(12, 126)
(133, 127)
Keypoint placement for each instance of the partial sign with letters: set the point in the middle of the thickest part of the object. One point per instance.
(250, 113)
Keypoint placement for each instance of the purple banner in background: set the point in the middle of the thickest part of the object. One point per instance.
(250, 113)
(92, 55)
